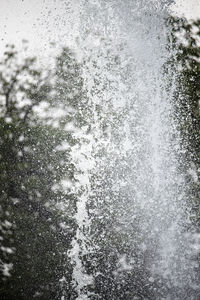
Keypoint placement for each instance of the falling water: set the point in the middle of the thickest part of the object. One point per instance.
(130, 179)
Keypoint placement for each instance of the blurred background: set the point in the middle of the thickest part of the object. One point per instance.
(43, 107)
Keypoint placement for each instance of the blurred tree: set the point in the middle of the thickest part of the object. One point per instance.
(37, 203)
(186, 37)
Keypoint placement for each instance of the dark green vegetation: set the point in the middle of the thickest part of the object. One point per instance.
(35, 156)
(35, 231)
(188, 105)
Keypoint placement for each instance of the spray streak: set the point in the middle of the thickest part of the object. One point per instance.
(82, 158)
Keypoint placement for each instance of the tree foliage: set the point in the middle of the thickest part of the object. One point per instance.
(186, 35)
(36, 211)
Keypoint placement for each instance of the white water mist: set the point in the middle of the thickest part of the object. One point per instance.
(133, 139)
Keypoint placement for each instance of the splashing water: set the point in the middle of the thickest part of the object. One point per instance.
(130, 161)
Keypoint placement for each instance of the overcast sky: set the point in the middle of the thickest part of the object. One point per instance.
(42, 21)
(38, 21)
